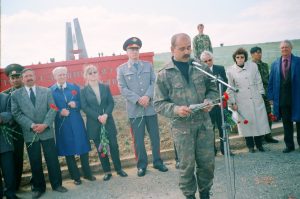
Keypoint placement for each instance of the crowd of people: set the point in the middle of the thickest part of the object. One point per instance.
(50, 118)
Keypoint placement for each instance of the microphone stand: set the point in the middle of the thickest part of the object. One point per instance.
(229, 175)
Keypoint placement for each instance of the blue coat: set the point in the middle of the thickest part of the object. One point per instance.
(274, 87)
(71, 136)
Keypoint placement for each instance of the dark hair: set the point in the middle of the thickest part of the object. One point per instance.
(240, 51)
(255, 49)
(25, 70)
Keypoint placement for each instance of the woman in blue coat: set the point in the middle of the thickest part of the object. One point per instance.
(71, 136)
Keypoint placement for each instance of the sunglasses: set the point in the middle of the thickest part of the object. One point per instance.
(95, 72)
(209, 60)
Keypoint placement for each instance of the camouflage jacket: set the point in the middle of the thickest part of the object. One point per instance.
(263, 69)
(171, 90)
(200, 44)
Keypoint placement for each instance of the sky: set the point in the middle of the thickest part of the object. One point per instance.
(33, 31)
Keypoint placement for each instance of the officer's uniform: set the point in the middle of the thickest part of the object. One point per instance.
(136, 79)
(15, 70)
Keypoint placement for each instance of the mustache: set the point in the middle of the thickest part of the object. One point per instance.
(186, 56)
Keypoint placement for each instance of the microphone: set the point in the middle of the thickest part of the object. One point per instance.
(194, 62)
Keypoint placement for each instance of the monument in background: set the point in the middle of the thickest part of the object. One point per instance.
(76, 39)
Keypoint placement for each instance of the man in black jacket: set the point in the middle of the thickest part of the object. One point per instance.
(6, 150)
(215, 114)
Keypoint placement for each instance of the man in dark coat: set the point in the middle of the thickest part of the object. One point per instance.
(6, 149)
(13, 72)
(215, 114)
(283, 91)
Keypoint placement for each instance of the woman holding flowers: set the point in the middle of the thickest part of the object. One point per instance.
(248, 101)
(98, 104)
(71, 136)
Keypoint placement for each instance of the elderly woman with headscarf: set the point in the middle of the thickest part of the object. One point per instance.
(248, 101)
(70, 132)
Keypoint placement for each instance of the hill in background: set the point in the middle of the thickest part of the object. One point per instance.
(223, 55)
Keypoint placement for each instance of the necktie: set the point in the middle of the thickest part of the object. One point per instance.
(285, 68)
(62, 90)
(32, 96)
(136, 66)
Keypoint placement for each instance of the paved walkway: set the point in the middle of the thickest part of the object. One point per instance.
(269, 175)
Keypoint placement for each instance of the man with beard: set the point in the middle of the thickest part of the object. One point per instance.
(31, 108)
(13, 72)
(178, 86)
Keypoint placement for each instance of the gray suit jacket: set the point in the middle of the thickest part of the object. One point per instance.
(26, 114)
(134, 84)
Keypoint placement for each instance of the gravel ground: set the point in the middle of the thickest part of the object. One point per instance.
(269, 175)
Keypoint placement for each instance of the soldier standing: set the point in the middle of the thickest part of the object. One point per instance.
(201, 42)
(179, 85)
(263, 68)
(13, 72)
(136, 83)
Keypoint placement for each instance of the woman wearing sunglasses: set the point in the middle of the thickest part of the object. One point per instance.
(248, 101)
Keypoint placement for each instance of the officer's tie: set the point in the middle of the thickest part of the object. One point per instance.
(136, 66)
(32, 96)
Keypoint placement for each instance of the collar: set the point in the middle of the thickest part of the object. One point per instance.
(33, 88)
(131, 62)
(63, 86)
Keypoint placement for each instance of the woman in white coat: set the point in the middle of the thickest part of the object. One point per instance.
(248, 101)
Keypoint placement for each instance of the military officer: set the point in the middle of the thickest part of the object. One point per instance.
(136, 80)
(179, 85)
(13, 72)
(263, 68)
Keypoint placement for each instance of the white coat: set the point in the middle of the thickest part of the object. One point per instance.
(248, 99)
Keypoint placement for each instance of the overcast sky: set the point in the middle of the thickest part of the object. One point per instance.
(34, 30)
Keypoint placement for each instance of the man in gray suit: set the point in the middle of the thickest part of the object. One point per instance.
(31, 109)
(136, 79)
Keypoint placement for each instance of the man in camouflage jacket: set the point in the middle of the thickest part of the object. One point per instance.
(201, 42)
(263, 68)
(179, 85)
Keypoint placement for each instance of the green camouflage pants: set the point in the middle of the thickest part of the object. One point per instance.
(195, 147)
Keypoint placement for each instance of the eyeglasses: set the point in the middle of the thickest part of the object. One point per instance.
(240, 57)
(95, 72)
(209, 60)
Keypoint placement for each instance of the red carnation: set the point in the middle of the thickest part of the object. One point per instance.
(225, 96)
(246, 121)
(272, 117)
(54, 107)
(224, 103)
(74, 92)
(102, 155)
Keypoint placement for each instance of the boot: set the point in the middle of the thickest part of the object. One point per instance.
(205, 194)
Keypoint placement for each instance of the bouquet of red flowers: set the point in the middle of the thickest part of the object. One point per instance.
(103, 148)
